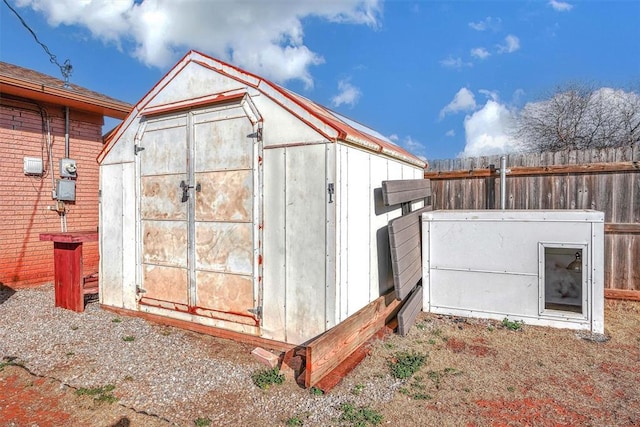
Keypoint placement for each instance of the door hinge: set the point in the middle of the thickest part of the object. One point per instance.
(257, 311)
(257, 135)
(137, 149)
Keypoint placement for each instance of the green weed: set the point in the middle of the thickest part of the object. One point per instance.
(99, 394)
(359, 416)
(129, 338)
(513, 325)
(294, 421)
(202, 422)
(266, 377)
(406, 364)
(422, 396)
(357, 390)
(316, 391)
(116, 320)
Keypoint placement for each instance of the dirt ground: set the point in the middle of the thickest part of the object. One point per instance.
(476, 373)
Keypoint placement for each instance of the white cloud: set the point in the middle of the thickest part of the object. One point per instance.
(490, 94)
(488, 23)
(348, 95)
(517, 96)
(487, 131)
(414, 147)
(480, 53)
(464, 100)
(410, 144)
(511, 44)
(560, 6)
(450, 133)
(455, 63)
(265, 37)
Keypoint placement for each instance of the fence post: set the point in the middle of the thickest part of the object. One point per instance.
(491, 188)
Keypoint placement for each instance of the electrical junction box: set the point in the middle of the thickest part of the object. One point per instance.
(68, 168)
(33, 166)
(66, 190)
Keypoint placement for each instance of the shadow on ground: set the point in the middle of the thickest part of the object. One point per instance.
(5, 293)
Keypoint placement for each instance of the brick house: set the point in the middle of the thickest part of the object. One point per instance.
(45, 126)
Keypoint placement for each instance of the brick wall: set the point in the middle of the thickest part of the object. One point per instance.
(26, 200)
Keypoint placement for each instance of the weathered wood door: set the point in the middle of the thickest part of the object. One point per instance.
(199, 241)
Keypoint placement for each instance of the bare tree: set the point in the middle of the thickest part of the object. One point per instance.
(580, 117)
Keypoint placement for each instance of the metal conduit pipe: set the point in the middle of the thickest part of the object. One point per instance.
(503, 183)
(66, 132)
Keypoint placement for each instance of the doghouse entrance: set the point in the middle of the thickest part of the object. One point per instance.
(563, 279)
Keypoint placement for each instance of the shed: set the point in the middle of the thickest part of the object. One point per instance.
(231, 202)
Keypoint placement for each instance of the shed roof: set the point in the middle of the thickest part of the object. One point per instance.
(330, 124)
(27, 83)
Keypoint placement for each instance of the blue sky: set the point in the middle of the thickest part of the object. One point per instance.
(441, 78)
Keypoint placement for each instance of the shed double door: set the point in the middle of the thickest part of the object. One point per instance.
(199, 243)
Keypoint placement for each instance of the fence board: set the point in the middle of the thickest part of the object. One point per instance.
(605, 179)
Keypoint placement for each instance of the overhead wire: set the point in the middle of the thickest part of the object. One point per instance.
(66, 68)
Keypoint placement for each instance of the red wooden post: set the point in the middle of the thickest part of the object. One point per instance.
(67, 261)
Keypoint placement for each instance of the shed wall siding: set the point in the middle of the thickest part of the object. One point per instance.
(363, 258)
(283, 128)
(192, 82)
(25, 261)
(305, 198)
(123, 151)
(274, 269)
(118, 234)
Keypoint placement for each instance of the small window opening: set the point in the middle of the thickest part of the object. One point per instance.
(563, 284)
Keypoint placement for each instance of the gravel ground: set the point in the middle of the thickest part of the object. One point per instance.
(477, 372)
(176, 375)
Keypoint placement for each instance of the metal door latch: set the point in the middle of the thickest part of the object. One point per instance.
(185, 190)
(331, 191)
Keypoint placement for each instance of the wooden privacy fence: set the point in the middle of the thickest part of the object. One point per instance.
(607, 180)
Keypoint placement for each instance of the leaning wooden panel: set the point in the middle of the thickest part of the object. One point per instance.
(406, 261)
(410, 310)
(326, 352)
(405, 190)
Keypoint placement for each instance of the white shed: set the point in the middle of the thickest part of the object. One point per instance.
(231, 202)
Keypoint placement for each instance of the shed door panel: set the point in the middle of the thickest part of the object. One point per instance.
(163, 216)
(199, 255)
(224, 211)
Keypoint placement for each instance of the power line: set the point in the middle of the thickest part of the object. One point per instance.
(65, 68)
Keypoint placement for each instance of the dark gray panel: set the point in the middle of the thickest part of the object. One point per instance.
(409, 311)
(405, 190)
(406, 258)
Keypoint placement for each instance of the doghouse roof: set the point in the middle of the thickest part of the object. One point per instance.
(30, 84)
(330, 124)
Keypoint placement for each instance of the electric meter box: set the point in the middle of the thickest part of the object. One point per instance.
(68, 168)
(66, 190)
